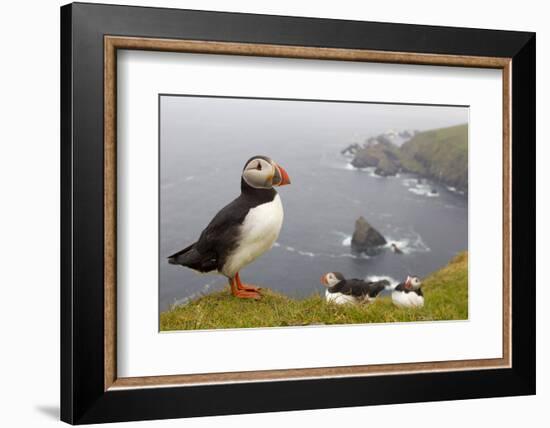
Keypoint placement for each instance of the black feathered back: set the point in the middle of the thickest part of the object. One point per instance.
(221, 236)
(359, 288)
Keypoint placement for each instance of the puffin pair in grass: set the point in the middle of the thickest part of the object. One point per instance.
(243, 230)
(341, 291)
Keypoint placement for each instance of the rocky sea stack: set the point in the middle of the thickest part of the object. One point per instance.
(366, 239)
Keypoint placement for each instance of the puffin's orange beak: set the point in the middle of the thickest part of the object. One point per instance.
(285, 179)
(324, 279)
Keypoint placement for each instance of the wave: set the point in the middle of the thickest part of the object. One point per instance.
(360, 256)
(393, 282)
(406, 245)
(454, 190)
(370, 170)
(409, 242)
(194, 296)
(424, 190)
(422, 187)
(311, 254)
(408, 182)
(412, 242)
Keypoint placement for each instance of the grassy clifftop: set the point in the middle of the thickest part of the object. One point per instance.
(441, 154)
(446, 295)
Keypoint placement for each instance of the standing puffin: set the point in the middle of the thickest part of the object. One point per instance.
(243, 230)
(342, 291)
(408, 294)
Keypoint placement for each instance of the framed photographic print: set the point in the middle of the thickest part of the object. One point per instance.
(265, 213)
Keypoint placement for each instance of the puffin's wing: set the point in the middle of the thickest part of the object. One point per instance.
(357, 287)
(360, 288)
(223, 231)
(380, 283)
(376, 287)
(215, 240)
(190, 257)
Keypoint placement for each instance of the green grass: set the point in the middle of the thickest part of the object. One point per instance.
(445, 291)
(441, 154)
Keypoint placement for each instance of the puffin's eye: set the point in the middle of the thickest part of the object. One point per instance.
(259, 166)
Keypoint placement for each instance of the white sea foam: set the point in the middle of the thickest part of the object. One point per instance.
(294, 250)
(370, 170)
(196, 295)
(408, 182)
(423, 190)
(393, 282)
(413, 243)
(360, 256)
(408, 241)
(311, 254)
(372, 173)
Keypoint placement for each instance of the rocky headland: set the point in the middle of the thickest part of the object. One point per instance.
(440, 155)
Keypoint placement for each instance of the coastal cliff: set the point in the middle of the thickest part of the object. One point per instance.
(440, 155)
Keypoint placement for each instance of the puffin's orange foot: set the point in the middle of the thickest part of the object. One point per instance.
(249, 287)
(245, 287)
(244, 294)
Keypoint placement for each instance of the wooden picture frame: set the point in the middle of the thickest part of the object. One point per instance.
(91, 390)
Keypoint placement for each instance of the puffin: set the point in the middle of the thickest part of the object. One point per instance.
(341, 290)
(408, 294)
(241, 231)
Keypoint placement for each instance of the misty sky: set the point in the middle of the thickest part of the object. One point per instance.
(351, 121)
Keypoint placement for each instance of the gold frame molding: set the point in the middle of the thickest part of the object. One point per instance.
(113, 43)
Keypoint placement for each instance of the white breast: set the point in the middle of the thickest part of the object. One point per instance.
(407, 300)
(339, 298)
(259, 232)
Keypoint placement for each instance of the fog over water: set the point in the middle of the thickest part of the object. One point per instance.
(204, 143)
